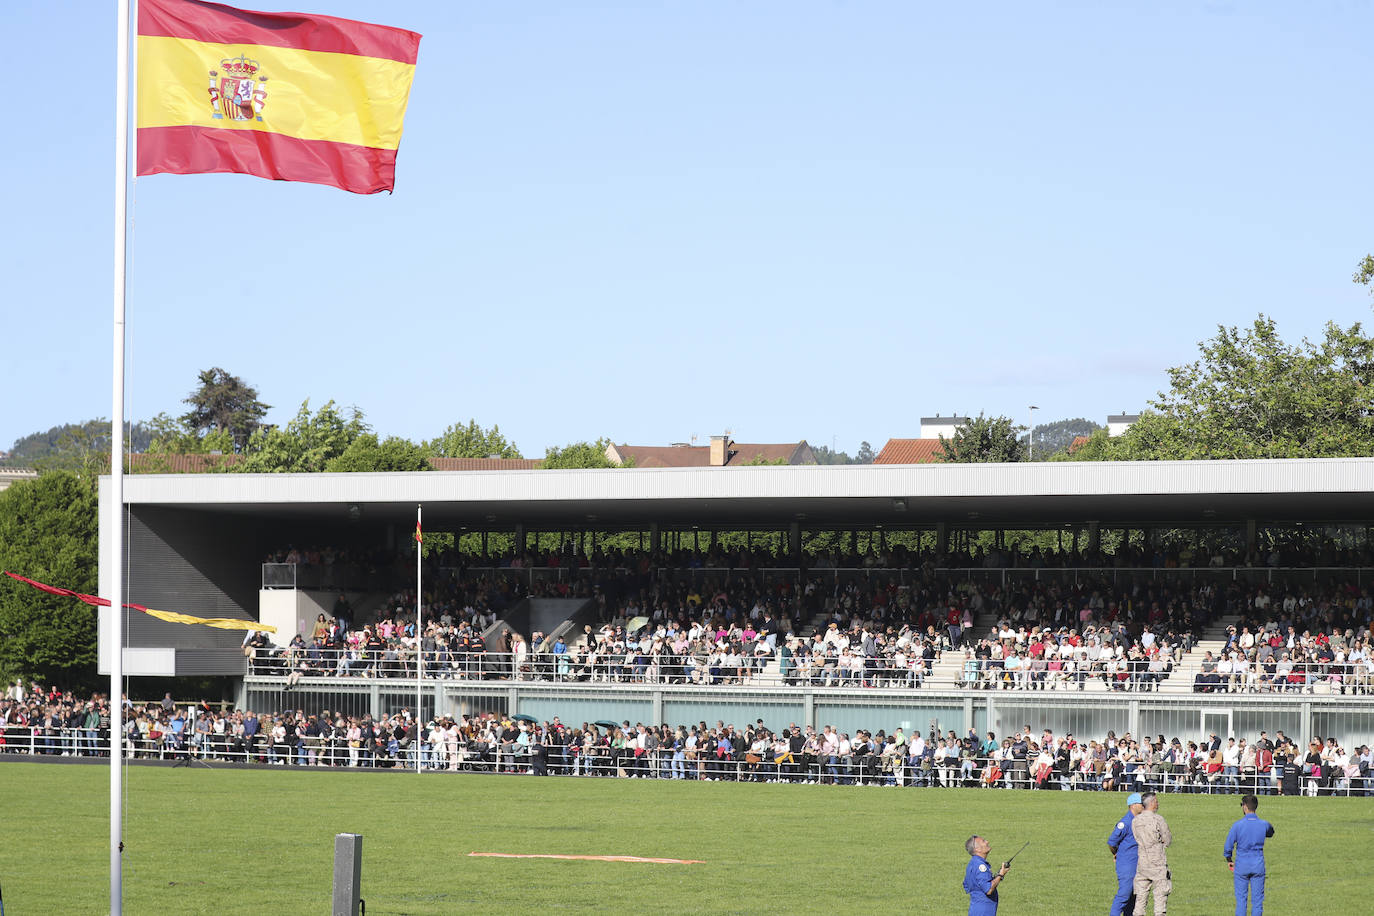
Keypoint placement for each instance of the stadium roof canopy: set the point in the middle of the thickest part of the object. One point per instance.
(1036, 494)
(196, 542)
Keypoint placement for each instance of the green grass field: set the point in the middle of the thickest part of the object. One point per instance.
(261, 841)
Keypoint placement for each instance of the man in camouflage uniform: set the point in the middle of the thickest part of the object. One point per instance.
(1152, 870)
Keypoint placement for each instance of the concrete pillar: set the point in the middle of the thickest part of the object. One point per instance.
(348, 873)
(941, 537)
(655, 538)
(1095, 541)
(794, 543)
(520, 537)
(1251, 527)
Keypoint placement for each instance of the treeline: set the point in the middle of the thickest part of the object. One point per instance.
(1249, 394)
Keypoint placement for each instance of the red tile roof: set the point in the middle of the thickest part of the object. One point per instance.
(485, 464)
(910, 451)
(144, 463)
(157, 463)
(699, 456)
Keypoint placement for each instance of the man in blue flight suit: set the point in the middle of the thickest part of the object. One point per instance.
(1126, 853)
(980, 882)
(1246, 842)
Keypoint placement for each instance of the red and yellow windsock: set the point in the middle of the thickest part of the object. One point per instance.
(220, 623)
(284, 96)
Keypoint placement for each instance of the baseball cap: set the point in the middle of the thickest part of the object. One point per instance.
(1134, 799)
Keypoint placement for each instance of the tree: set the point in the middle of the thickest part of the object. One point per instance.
(48, 532)
(73, 446)
(472, 441)
(223, 402)
(171, 436)
(83, 449)
(1250, 395)
(579, 455)
(1052, 438)
(1364, 274)
(308, 444)
(826, 455)
(985, 439)
(365, 453)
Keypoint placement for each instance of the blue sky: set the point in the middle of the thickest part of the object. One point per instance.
(649, 220)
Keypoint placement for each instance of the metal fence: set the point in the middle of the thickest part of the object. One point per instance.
(899, 765)
(1184, 715)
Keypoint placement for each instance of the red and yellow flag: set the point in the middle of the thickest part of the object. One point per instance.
(284, 96)
(418, 538)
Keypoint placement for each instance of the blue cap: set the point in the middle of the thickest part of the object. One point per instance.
(1134, 799)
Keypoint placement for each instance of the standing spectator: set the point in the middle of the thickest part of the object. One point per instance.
(252, 729)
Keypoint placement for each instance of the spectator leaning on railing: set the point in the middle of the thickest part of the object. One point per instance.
(45, 722)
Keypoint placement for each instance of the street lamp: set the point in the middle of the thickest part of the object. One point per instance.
(1030, 448)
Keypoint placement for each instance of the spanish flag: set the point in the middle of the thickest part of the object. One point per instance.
(286, 96)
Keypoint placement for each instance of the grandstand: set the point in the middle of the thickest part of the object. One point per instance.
(198, 544)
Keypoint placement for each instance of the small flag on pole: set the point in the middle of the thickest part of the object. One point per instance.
(418, 538)
(283, 96)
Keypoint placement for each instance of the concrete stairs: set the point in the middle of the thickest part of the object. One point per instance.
(1213, 640)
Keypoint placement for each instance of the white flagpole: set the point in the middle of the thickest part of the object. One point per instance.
(122, 148)
(419, 648)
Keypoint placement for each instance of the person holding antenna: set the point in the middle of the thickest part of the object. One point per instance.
(980, 882)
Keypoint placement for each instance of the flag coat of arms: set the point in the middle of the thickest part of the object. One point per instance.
(286, 96)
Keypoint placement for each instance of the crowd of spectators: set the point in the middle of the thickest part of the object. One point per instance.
(717, 619)
(37, 719)
(1271, 656)
(49, 722)
(893, 585)
(1023, 760)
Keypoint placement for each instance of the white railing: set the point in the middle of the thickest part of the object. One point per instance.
(592, 668)
(61, 742)
(899, 766)
(842, 672)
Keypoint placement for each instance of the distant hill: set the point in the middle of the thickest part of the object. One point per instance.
(71, 438)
